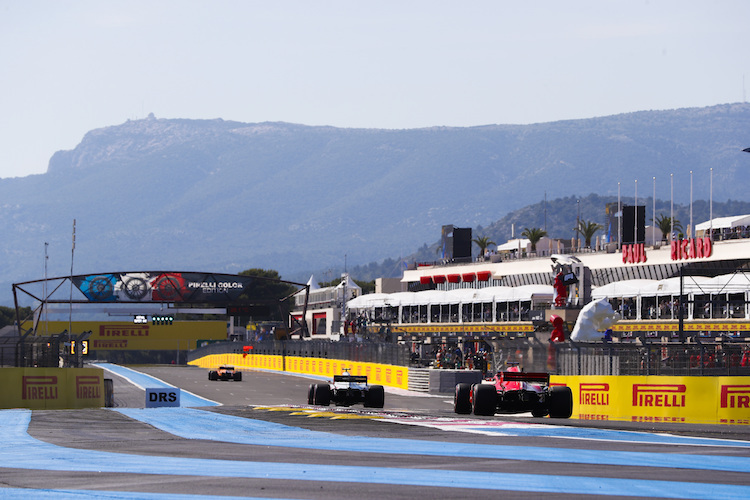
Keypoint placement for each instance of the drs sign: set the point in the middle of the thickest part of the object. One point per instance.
(163, 396)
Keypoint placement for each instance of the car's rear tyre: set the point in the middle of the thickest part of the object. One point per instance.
(462, 399)
(322, 395)
(484, 399)
(560, 402)
(213, 376)
(311, 394)
(375, 397)
(238, 377)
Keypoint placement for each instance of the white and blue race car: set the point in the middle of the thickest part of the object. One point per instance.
(346, 390)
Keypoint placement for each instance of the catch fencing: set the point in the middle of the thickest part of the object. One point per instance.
(704, 359)
(564, 358)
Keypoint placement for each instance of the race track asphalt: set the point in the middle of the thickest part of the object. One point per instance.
(259, 439)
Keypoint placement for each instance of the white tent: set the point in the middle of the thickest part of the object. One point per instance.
(313, 283)
(456, 296)
(350, 286)
(495, 294)
(528, 292)
(368, 301)
(427, 297)
(626, 288)
(724, 222)
(512, 245)
(653, 288)
(730, 283)
(400, 299)
(460, 296)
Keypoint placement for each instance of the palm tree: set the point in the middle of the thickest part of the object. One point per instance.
(664, 224)
(534, 235)
(483, 242)
(587, 229)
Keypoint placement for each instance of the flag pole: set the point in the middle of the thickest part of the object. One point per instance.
(70, 303)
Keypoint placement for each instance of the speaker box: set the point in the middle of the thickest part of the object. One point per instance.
(633, 221)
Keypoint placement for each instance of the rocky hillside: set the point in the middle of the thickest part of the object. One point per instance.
(227, 196)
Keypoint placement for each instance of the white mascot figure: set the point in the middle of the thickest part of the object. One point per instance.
(595, 317)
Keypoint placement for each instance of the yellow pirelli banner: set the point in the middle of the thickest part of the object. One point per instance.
(51, 388)
(466, 328)
(389, 375)
(712, 400)
(126, 335)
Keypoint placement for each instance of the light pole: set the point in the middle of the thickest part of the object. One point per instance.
(711, 206)
(578, 226)
(691, 235)
(653, 216)
(671, 208)
(635, 219)
(44, 292)
(619, 219)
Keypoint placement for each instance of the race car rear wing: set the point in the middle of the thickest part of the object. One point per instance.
(357, 379)
(539, 377)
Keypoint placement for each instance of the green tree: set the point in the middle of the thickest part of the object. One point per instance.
(8, 315)
(268, 290)
(587, 229)
(664, 223)
(483, 242)
(534, 235)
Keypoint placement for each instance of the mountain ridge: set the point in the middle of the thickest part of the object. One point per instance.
(228, 196)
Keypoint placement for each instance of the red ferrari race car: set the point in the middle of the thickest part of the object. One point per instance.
(347, 390)
(225, 372)
(514, 391)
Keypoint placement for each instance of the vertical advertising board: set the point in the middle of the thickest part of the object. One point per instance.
(711, 400)
(51, 388)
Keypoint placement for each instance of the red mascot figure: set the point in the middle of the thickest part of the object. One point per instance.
(561, 291)
(558, 335)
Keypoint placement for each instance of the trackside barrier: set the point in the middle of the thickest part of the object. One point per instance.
(419, 379)
(381, 374)
(52, 388)
(701, 400)
(658, 399)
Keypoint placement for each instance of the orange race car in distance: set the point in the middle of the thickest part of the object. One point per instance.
(225, 372)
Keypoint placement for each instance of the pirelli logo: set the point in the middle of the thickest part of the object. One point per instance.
(735, 396)
(110, 344)
(593, 394)
(88, 387)
(39, 387)
(123, 331)
(659, 395)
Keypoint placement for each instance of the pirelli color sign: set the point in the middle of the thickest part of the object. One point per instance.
(51, 388)
(724, 400)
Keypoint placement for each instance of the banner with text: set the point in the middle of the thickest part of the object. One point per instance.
(51, 388)
(724, 400)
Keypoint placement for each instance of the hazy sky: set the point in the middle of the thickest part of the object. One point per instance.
(71, 66)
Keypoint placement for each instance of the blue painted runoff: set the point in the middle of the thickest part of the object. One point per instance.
(197, 424)
(58, 494)
(21, 451)
(143, 381)
(591, 434)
